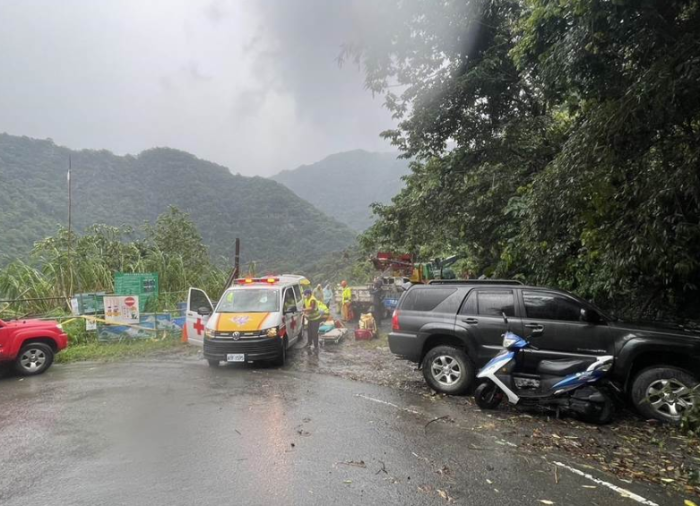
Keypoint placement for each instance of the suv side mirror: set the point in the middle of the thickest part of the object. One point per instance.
(590, 316)
(204, 311)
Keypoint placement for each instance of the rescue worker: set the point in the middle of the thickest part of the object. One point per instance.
(314, 312)
(377, 302)
(346, 302)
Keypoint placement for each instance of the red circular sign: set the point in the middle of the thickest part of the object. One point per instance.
(129, 301)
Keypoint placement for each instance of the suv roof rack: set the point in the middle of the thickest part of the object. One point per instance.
(474, 282)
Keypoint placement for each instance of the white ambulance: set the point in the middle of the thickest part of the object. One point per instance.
(255, 319)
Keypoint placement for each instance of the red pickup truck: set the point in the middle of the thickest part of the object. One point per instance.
(31, 344)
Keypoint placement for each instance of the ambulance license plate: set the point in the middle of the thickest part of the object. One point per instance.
(235, 357)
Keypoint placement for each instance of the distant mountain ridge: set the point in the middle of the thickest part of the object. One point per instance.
(277, 228)
(344, 185)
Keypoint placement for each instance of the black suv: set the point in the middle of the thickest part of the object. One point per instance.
(451, 329)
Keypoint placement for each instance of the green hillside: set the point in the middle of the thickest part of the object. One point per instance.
(345, 184)
(278, 229)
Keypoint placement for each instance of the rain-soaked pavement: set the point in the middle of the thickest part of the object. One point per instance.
(172, 431)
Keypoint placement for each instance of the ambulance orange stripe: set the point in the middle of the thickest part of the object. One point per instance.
(241, 322)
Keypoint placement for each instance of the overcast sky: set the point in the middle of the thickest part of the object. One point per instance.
(250, 84)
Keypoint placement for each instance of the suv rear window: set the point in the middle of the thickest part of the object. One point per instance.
(549, 306)
(429, 299)
(496, 302)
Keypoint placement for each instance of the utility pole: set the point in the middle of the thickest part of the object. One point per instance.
(237, 258)
(69, 205)
(236, 272)
(69, 294)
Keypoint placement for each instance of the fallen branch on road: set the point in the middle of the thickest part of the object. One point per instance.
(434, 420)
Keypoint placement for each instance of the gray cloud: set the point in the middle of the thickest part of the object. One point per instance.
(254, 86)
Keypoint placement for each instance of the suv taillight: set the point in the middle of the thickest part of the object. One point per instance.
(395, 321)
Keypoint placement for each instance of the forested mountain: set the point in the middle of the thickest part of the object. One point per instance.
(278, 229)
(345, 184)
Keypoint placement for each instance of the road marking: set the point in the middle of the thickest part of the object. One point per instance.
(621, 491)
(379, 401)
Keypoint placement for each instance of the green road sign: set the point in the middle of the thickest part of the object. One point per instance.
(145, 285)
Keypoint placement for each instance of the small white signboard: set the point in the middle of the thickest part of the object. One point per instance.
(122, 310)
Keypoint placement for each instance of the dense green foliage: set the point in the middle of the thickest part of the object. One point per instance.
(558, 142)
(351, 265)
(57, 270)
(344, 185)
(278, 230)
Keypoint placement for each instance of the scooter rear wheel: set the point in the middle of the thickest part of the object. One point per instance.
(488, 395)
(602, 413)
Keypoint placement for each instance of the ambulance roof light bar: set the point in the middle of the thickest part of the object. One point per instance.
(248, 281)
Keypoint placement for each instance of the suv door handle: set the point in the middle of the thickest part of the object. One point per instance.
(470, 321)
(536, 327)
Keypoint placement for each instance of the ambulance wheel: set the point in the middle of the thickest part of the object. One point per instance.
(488, 395)
(281, 360)
(213, 363)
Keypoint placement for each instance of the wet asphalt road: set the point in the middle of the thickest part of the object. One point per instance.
(176, 432)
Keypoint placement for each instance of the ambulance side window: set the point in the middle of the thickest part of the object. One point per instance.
(297, 292)
(290, 303)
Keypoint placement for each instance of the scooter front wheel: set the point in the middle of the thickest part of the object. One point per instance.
(488, 395)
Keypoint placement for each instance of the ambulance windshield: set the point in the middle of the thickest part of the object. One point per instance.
(263, 300)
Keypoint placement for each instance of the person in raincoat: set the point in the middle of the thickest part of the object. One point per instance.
(327, 294)
(346, 302)
(318, 292)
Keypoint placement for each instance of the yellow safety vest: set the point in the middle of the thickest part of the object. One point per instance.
(315, 314)
(347, 295)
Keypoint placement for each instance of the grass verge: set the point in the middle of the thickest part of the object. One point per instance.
(108, 352)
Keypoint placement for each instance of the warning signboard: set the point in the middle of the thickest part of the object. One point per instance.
(145, 285)
(122, 310)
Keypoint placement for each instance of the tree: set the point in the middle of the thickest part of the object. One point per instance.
(556, 141)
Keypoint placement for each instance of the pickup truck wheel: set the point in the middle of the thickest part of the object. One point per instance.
(664, 393)
(448, 370)
(34, 358)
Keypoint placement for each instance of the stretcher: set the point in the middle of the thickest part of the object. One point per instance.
(334, 336)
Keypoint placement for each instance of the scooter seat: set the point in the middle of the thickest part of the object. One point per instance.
(561, 367)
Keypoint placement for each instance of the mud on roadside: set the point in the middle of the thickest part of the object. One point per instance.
(630, 448)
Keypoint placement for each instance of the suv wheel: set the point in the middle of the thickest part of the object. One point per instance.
(664, 393)
(448, 370)
(34, 358)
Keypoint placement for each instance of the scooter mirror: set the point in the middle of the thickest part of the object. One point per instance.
(505, 318)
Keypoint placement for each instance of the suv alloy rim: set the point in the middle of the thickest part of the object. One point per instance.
(670, 397)
(446, 370)
(32, 359)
